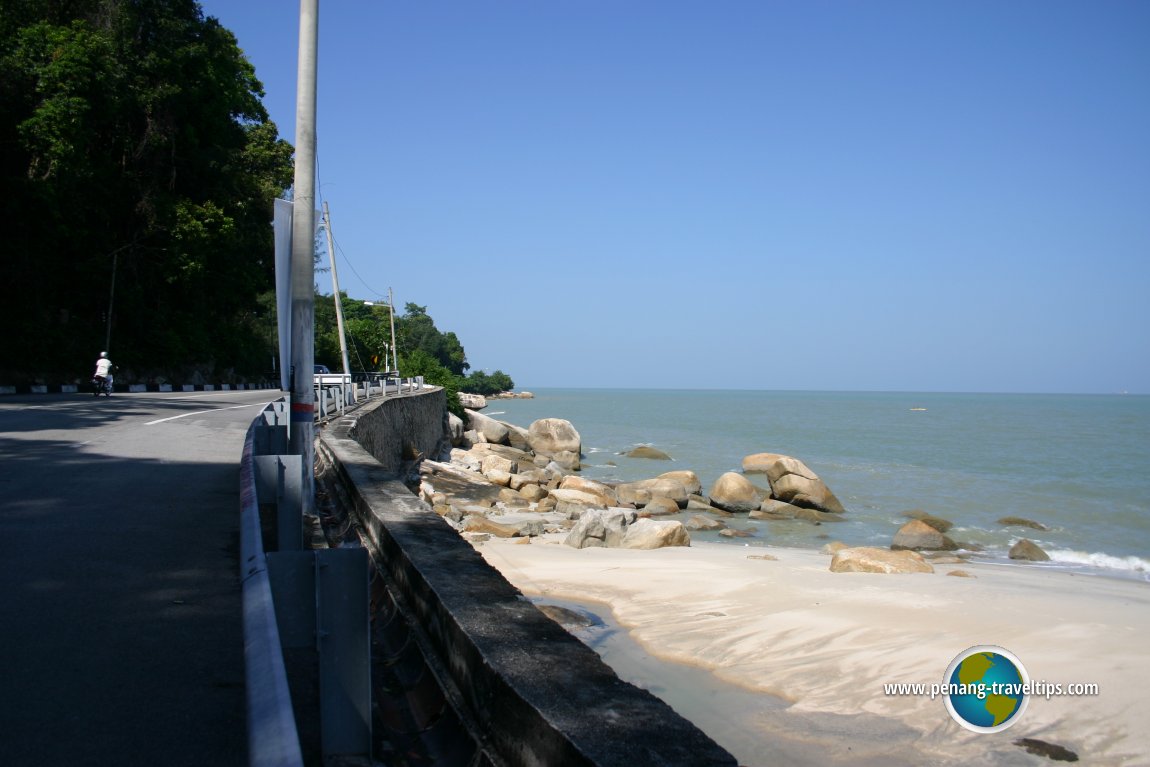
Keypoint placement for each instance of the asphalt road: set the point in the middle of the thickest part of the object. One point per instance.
(121, 638)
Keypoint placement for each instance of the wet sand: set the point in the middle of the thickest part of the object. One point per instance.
(782, 661)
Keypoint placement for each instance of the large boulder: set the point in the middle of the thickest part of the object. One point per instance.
(917, 535)
(550, 436)
(688, 479)
(517, 436)
(871, 559)
(604, 493)
(567, 460)
(600, 527)
(938, 523)
(655, 534)
(647, 451)
(488, 428)
(472, 401)
(518, 527)
(793, 481)
(660, 507)
(734, 492)
(492, 463)
(776, 510)
(455, 429)
(1029, 551)
(640, 493)
(580, 497)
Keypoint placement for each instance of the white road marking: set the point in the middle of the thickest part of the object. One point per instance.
(201, 412)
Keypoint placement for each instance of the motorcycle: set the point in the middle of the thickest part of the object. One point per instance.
(101, 385)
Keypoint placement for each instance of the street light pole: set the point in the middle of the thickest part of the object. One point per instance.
(302, 432)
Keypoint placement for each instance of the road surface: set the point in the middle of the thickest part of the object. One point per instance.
(120, 624)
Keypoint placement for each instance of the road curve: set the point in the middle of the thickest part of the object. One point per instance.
(120, 623)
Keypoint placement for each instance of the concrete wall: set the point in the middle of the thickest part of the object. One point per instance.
(539, 696)
(397, 428)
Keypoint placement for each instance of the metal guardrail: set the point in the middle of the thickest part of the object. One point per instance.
(336, 392)
(273, 740)
(298, 597)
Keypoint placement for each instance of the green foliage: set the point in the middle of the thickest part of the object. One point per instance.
(139, 167)
(479, 382)
(419, 363)
(416, 330)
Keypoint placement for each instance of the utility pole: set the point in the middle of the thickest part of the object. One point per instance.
(302, 433)
(391, 311)
(338, 301)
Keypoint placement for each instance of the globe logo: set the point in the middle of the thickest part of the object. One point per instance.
(987, 688)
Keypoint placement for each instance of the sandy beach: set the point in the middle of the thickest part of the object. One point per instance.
(818, 647)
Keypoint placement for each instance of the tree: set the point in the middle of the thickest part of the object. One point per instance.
(486, 384)
(416, 330)
(420, 363)
(140, 165)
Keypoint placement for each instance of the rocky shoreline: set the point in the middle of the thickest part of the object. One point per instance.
(507, 481)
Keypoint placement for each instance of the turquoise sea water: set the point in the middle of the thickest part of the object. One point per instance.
(1079, 464)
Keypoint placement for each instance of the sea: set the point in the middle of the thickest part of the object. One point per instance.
(1077, 464)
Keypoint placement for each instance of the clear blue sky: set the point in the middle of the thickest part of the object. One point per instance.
(918, 196)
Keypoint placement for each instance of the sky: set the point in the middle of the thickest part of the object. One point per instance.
(742, 194)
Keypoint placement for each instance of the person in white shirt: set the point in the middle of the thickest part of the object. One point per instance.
(104, 368)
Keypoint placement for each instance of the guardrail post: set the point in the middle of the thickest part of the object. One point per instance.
(343, 641)
(279, 480)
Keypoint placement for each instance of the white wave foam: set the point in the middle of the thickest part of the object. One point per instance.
(1098, 559)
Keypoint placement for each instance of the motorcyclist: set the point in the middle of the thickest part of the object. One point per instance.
(104, 367)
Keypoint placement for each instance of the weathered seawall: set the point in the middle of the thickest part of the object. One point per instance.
(536, 695)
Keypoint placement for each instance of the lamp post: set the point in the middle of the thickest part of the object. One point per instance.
(392, 345)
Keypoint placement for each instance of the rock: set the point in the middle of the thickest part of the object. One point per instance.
(580, 497)
(472, 401)
(492, 463)
(960, 574)
(477, 523)
(1028, 550)
(549, 436)
(605, 494)
(1051, 751)
(792, 481)
(484, 449)
(871, 559)
(490, 429)
(1022, 522)
(733, 532)
(917, 535)
(646, 451)
(834, 547)
(517, 436)
(499, 477)
(774, 510)
(699, 522)
(688, 479)
(529, 477)
(660, 507)
(512, 498)
(567, 460)
(640, 493)
(816, 516)
(455, 429)
(532, 493)
(734, 492)
(600, 527)
(655, 534)
(938, 523)
(767, 557)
